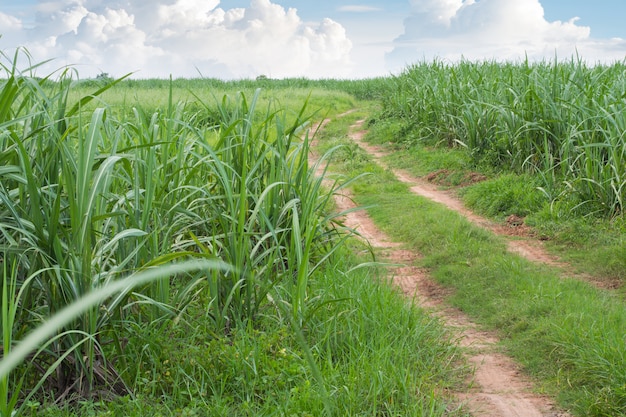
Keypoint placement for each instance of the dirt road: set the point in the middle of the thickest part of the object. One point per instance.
(497, 388)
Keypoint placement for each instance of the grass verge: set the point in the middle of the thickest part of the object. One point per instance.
(378, 354)
(566, 333)
(592, 244)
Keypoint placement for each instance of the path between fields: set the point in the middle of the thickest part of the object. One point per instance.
(520, 239)
(497, 388)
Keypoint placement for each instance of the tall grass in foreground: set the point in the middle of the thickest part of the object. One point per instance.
(565, 121)
(88, 200)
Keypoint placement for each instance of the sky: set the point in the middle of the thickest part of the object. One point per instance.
(233, 39)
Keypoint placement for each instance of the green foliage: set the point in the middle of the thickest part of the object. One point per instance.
(562, 120)
(505, 195)
(179, 257)
(88, 199)
(372, 349)
(595, 245)
(566, 332)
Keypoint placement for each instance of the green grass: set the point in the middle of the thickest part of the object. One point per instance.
(593, 244)
(562, 121)
(542, 159)
(378, 355)
(197, 93)
(203, 265)
(167, 250)
(567, 334)
(507, 194)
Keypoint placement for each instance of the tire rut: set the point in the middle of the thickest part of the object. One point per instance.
(497, 387)
(519, 239)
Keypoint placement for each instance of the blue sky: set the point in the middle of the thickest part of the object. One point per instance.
(323, 38)
(605, 17)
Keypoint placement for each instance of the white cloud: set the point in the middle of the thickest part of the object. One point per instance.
(355, 8)
(9, 23)
(11, 29)
(493, 29)
(181, 37)
(440, 11)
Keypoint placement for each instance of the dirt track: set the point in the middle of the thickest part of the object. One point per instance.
(498, 388)
(520, 239)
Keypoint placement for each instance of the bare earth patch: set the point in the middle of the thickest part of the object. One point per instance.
(498, 388)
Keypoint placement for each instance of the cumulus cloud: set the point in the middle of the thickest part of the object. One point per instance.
(182, 38)
(9, 23)
(356, 8)
(11, 28)
(493, 29)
